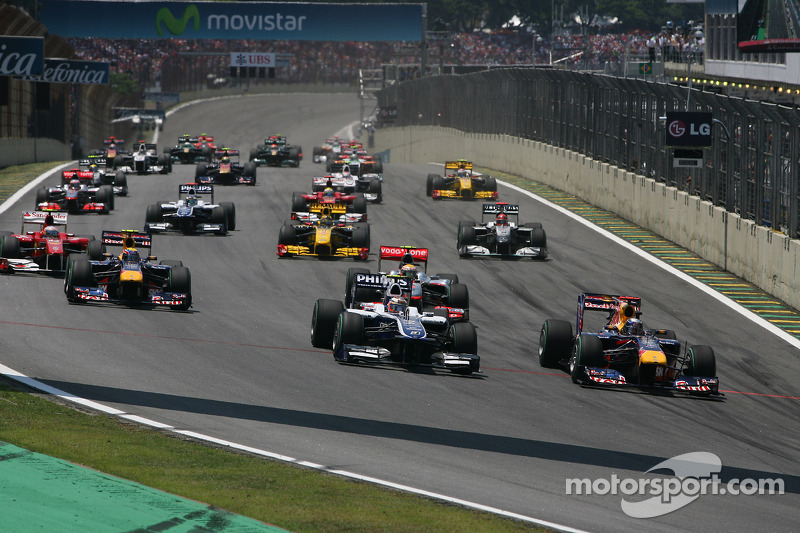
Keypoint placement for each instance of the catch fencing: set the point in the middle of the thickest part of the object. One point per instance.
(751, 168)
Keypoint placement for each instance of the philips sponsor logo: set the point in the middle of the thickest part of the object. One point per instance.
(274, 22)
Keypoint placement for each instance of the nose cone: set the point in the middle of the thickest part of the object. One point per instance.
(652, 357)
(131, 276)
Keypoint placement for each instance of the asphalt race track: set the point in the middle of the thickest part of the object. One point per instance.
(240, 366)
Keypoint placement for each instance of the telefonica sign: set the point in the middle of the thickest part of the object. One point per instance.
(234, 20)
(73, 71)
(21, 56)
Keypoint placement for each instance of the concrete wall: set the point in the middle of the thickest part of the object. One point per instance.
(768, 259)
(15, 151)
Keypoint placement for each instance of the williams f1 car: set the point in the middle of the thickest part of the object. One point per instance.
(191, 214)
(502, 235)
(46, 249)
(624, 352)
(129, 278)
(226, 169)
(461, 182)
(276, 152)
(392, 331)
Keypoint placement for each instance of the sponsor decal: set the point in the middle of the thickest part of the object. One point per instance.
(177, 26)
(21, 56)
(73, 71)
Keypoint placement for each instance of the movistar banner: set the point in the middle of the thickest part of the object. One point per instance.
(21, 56)
(233, 20)
(73, 71)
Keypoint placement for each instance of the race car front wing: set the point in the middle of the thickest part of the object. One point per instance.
(704, 386)
(528, 251)
(287, 250)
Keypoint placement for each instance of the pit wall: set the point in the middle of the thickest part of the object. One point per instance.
(765, 258)
(19, 151)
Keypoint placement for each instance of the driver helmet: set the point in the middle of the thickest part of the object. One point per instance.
(328, 192)
(191, 200)
(225, 159)
(396, 304)
(326, 221)
(409, 270)
(51, 231)
(502, 219)
(93, 167)
(462, 173)
(633, 326)
(346, 171)
(74, 184)
(130, 256)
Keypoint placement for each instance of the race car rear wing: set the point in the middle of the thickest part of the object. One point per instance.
(128, 238)
(610, 303)
(454, 165)
(500, 207)
(196, 189)
(225, 151)
(43, 218)
(98, 160)
(83, 175)
(404, 254)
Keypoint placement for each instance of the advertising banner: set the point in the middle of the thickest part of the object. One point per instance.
(250, 59)
(21, 56)
(688, 128)
(73, 71)
(234, 20)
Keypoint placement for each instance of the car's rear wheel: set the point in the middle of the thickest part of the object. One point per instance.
(171, 262)
(555, 342)
(101, 197)
(458, 296)
(588, 352)
(164, 163)
(447, 275)
(323, 322)
(701, 362)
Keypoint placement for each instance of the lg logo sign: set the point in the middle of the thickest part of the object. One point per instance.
(688, 129)
(676, 128)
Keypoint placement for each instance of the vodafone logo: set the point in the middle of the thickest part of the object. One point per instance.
(676, 128)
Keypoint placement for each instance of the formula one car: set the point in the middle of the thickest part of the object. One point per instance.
(329, 150)
(275, 152)
(226, 169)
(190, 150)
(77, 194)
(461, 182)
(324, 238)
(348, 180)
(393, 332)
(145, 160)
(98, 166)
(46, 249)
(329, 200)
(191, 214)
(107, 155)
(129, 278)
(428, 292)
(501, 236)
(624, 353)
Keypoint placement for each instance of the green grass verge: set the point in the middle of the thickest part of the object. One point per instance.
(291, 497)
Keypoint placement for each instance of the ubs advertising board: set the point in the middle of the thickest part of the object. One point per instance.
(234, 20)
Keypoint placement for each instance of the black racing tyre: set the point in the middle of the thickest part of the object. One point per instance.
(701, 362)
(377, 166)
(437, 185)
(323, 322)
(163, 162)
(489, 184)
(466, 235)
(219, 216)
(429, 183)
(299, 203)
(458, 296)
(9, 247)
(538, 238)
(4, 233)
(253, 154)
(555, 342)
(463, 338)
(230, 214)
(80, 273)
(349, 330)
(207, 153)
(249, 169)
(376, 187)
(466, 223)
(42, 196)
(533, 225)
(120, 179)
(287, 235)
(328, 163)
(588, 352)
(101, 197)
(294, 153)
(171, 262)
(154, 213)
(447, 275)
(316, 153)
(109, 194)
(95, 250)
(201, 170)
(180, 279)
(361, 237)
(359, 204)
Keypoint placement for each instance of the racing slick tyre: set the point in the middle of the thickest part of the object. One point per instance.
(323, 322)
(359, 204)
(253, 154)
(9, 247)
(101, 197)
(316, 154)
(207, 153)
(349, 330)
(377, 165)
(42, 196)
(348, 283)
(555, 342)
(299, 204)
(79, 274)
(201, 170)
(153, 213)
(250, 171)
(295, 154)
(328, 163)
(287, 235)
(701, 362)
(95, 250)
(458, 296)
(171, 262)
(361, 237)
(429, 184)
(376, 188)
(121, 180)
(110, 194)
(219, 216)
(230, 214)
(538, 238)
(464, 339)
(466, 223)
(588, 352)
(180, 280)
(452, 277)
(437, 185)
(466, 236)
(533, 225)
(490, 184)
(163, 162)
